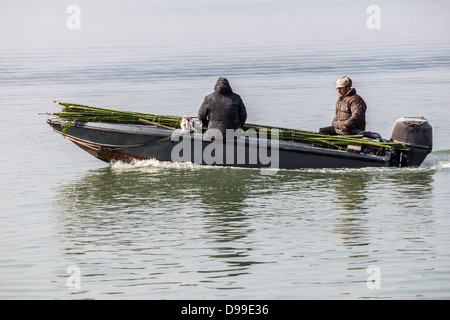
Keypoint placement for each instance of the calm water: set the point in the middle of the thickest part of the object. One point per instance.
(164, 231)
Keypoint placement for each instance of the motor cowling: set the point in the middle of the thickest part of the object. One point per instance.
(418, 133)
(413, 130)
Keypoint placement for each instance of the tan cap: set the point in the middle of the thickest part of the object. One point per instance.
(344, 82)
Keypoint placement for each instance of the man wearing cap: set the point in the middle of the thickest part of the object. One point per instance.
(223, 109)
(350, 110)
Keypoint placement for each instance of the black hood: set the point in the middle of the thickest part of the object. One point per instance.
(222, 87)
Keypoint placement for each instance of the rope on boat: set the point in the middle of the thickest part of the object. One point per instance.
(99, 146)
(95, 144)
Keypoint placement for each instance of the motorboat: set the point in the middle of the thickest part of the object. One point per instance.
(253, 146)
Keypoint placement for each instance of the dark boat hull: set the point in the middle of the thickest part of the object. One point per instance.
(127, 142)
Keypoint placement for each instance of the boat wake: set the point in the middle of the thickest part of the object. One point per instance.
(441, 165)
(149, 164)
(438, 160)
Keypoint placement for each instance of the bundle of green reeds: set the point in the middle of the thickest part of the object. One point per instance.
(333, 141)
(72, 112)
(79, 112)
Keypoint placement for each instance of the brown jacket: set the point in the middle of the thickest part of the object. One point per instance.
(351, 112)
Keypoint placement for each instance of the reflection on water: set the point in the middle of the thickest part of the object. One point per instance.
(356, 192)
(351, 193)
(156, 229)
(370, 202)
(159, 213)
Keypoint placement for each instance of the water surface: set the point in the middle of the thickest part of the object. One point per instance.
(162, 231)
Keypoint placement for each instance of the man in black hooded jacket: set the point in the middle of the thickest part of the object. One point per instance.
(223, 109)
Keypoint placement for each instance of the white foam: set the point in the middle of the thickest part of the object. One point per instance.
(153, 164)
(441, 165)
(150, 163)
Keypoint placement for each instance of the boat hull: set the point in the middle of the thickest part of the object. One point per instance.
(125, 142)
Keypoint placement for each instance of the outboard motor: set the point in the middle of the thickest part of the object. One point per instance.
(418, 133)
